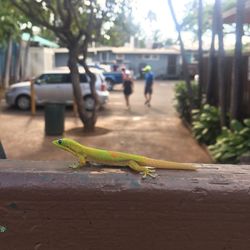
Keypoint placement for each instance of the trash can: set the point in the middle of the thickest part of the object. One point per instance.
(54, 118)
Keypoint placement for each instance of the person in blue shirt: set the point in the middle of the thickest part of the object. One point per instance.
(149, 80)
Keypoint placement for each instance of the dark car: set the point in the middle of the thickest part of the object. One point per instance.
(112, 78)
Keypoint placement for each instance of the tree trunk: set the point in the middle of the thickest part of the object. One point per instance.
(93, 113)
(6, 78)
(86, 117)
(184, 62)
(236, 90)
(221, 58)
(92, 81)
(210, 98)
(200, 24)
(84, 51)
(25, 61)
(18, 63)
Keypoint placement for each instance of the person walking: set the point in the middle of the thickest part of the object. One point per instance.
(149, 80)
(127, 86)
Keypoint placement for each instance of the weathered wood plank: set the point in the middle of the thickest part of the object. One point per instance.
(45, 205)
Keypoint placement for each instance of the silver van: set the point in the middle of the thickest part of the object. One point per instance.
(55, 86)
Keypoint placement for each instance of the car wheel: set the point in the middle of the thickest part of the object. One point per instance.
(110, 84)
(23, 102)
(89, 103)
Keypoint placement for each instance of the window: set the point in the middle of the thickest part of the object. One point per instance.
(83, 78)
(150, 57)
(147, 57)
(60, 78)
(155, 57)
(120, 57)
(55, 78)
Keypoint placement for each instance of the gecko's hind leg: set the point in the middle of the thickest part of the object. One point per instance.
(145, 171)
(81, 163)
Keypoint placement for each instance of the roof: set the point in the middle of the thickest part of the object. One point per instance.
(40, 40)
(229, 16)
(125, 50)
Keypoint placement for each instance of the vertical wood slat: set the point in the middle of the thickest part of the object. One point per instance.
(228, 70)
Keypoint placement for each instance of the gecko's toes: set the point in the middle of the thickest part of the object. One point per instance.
(153, 175)
(149, 171)
(151, 168)
(75, 165)
(148, 174)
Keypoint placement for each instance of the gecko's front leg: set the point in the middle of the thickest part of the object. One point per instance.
(81, 162)
(142, 169)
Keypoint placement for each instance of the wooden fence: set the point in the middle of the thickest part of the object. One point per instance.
(228, 76)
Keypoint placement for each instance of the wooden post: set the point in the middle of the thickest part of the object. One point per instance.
(2, 152)
(200, 51)
(237, 83)
(32, 94)
(221, 62)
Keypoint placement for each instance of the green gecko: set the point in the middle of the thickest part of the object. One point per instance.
(138, 163)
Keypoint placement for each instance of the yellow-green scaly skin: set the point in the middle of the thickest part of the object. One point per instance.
(138, 163)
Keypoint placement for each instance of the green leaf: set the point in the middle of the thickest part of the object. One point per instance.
(236, 125)
(3, 229)
(247, 122)
(204, 131)
(245, 132)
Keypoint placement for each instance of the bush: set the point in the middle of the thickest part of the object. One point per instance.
(232, 143)
(182, 101)
(206, 124)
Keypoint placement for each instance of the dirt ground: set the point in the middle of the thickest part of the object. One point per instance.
(156, 132)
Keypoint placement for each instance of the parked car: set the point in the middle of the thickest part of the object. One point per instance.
(113, 78)
(55, 86)
(102, 67)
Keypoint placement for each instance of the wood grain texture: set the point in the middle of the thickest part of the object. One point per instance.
(45, 205)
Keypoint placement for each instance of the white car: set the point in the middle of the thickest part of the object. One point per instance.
(55, 86)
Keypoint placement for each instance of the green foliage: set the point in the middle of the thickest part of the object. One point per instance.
(119, 25)
(12, 23)
(119, 31)
(232, 143)
(226, 5)
(106, 22)
(189, 21)
(206, 124)
(182, 101)
(3, 229)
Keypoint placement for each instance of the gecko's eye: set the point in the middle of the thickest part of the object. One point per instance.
(59, 141)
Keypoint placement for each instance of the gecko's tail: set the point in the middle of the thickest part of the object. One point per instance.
(170, 164)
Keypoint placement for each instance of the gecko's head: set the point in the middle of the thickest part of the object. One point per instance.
(66, 144)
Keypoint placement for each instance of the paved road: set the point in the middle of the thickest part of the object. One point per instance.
(156, 132)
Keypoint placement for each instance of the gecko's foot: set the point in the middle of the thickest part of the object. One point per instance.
(75, 165)
(148, 171)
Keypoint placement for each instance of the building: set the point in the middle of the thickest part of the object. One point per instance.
(166, 63)
(28, 57)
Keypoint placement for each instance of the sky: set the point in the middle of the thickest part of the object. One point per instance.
(164, 19)
(166, 25)
(160, 8)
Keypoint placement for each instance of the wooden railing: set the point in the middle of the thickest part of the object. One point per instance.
(46, 205)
